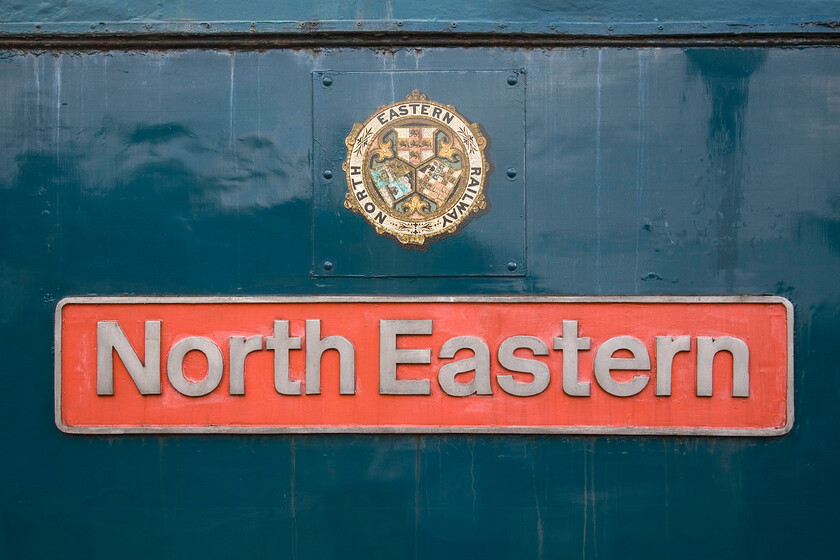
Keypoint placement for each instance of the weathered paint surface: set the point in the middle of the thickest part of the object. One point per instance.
(591, 17)
(649, 171)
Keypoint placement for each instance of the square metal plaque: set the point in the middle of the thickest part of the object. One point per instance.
(421, 159)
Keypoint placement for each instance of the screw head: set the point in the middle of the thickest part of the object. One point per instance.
(327, 81)
(327, 265)
(512, 266)
(511, 172)
(512, 79)
(327, 174)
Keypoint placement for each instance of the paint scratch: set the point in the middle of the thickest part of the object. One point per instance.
(598, 174)
(58, 135)
(641, 155)
(417, 450)
(585, 499)
(37, 64)
(536, 498)
(292, 497)
(232, 125)
(472, 474)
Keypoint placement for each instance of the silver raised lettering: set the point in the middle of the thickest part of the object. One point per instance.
(707, 347)
(175, 363)
(110, 337)
(390, 356)
(605, 362)
(570, 344)
(666, 349)
(478, 362)
(281, 343)
(523, 365)
(240, 347)
(315, 348)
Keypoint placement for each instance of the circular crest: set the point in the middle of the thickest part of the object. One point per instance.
(416, 171)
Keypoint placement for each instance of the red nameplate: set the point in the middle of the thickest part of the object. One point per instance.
(623, 365)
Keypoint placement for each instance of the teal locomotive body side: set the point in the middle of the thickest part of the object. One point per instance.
(183, 149)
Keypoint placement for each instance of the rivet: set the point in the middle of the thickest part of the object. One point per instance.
(610, 28)
(327, 174)
(511, 172)
(327, 81)
(661, 27)
(511, 266)
(453, 25)
(512, 79)
(327, 265)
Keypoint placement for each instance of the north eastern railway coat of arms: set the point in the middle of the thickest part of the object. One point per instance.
(416, 171)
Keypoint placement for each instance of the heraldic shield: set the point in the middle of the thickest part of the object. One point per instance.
(416, 171)
(407, 181)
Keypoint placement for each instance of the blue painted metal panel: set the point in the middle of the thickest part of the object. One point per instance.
(486, 246)
(649, 171)
(590, 17)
